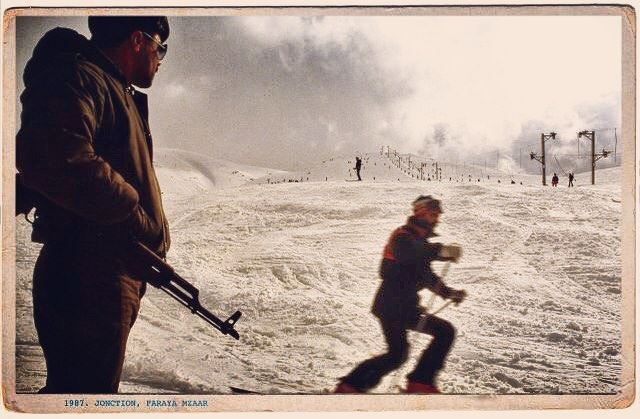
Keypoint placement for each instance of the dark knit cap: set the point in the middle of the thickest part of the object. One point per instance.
(110, 31)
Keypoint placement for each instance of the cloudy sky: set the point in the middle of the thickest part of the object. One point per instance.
(287, 91)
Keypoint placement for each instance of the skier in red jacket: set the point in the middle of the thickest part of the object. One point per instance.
(405, 270)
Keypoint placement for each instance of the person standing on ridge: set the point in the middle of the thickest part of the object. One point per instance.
(405, 270)
(85, 149)
(358, 166)
(571, 177)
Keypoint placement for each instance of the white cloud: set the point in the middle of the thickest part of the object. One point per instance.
(275, 30)
(482, 76)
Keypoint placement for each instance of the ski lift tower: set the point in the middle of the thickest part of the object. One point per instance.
(591, 135)
(541, 159)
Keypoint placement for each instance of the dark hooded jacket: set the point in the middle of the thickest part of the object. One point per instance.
(85, 147)
(405, 270)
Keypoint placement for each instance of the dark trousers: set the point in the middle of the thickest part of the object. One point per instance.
(84, 307)
(369, 373)
(358, 173)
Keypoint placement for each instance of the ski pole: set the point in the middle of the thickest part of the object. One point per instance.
(429, 305)
(443, 274)
(445, 269)
(441, 308)
(447, 303)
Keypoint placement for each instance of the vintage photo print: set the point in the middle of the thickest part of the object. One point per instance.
(356, 208)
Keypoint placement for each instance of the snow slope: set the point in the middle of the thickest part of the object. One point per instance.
(184, 173)
(542, 267)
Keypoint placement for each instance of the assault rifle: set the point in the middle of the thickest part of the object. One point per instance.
(161, 275)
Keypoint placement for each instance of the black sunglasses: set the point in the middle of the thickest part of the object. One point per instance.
(162, 48)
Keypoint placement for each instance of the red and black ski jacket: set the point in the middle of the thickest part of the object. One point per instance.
(405, 270)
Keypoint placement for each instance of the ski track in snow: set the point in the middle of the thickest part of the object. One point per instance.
(542, 267)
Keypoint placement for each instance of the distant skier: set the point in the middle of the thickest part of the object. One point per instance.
(358, 167)
(554, 180)
(405, 270)
(571, 177)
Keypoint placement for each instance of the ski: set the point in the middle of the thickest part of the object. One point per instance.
(238, 390)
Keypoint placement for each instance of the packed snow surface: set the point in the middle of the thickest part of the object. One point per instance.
(298, 254)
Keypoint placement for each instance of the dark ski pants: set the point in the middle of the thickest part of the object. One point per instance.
(358, 173)
(84, 308)
(369, 373)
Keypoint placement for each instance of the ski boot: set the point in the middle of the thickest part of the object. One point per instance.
(344, 388)
(414, 387)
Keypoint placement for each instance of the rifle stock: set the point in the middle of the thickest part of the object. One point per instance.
(161, 275)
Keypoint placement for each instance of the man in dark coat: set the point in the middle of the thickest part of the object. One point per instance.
(358, 167)
(571, 177)
(85, 149)
(405, 270)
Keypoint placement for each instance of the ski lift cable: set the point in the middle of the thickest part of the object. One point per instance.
(558, 164)
(579, 156)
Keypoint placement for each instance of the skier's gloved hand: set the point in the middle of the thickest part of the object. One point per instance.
(450, 251)
(457, 296)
